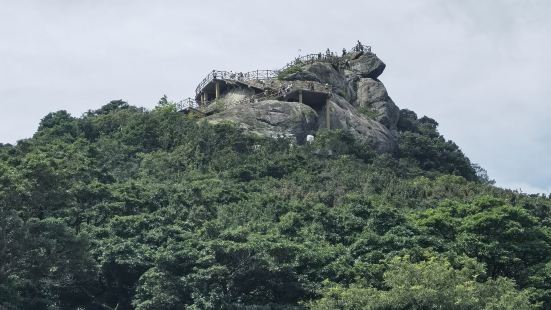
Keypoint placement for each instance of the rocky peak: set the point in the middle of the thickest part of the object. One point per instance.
(317, 91)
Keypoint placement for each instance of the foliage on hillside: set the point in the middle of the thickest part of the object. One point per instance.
(126, 208)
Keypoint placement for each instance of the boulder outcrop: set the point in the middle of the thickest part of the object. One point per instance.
(346, 117)
(367, 65)
(336, 92)
(327, 74)
(271, 118)
(372, 95)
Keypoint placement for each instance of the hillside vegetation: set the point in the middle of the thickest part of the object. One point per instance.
(125, 208)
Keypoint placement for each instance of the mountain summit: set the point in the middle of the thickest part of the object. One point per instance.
(316, 91)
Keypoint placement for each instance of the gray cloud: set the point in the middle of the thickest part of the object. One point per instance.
(480, 68)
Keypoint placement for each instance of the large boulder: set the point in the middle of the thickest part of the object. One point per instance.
(327, 74)
(388, 113)
(235, 97)
(372, 95)
(368, 65)
(271, 118)
(358, 102)
(371, 90)
(346, 117)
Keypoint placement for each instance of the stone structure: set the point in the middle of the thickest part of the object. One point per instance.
(313, 92)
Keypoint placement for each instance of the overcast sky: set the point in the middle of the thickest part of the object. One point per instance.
(482, 69)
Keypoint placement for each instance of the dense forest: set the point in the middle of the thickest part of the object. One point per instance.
(128, 208)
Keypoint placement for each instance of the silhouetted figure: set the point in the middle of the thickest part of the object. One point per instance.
(359, 46)
(344, 51)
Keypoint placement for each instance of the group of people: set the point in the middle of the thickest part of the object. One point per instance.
(232, 75)
(358, 48)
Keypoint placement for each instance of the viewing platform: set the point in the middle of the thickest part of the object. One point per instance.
(217, 82)
(323, 91)
(313, 94)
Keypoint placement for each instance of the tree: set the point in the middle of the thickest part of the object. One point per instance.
(430, 284)
(129, 208)
(43, 263)
(508, 239)
(112, 106)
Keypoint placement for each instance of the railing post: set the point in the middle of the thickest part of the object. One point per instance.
(300, 95)
(217, 89)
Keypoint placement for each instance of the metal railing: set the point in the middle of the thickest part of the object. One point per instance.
(237, 76)
(192, 103)
(361, 48)
(249, 99)
(187, 103)
(262, 74)
(311, 58)
(328, 56)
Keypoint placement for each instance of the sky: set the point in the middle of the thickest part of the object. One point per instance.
(481, 68)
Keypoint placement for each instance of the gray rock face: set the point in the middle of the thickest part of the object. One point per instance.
(388, 113)
(346, 117)
(235, 97)
(327, 74)
(302, 76)
(370, 91)
(367, 65)
(372, 95)
(353, 55)
(344, 89)
(271, 118)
